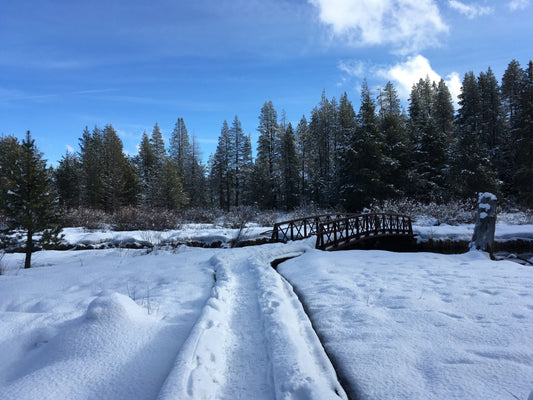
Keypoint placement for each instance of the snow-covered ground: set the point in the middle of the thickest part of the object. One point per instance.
(192, 323)
(421, 326)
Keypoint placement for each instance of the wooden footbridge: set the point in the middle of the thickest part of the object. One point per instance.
(340, 231)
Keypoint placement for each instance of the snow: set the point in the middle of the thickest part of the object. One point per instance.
(192, 233)
(191, 323)
(504, 232)
(421, 326)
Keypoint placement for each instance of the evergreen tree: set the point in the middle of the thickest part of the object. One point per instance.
(26, 197)
(511, 90)
(429, 126)
(303, 147)
(145, 165)
(289, 168)
(523, 140)
(472, 162)
(265, 181)
(67, 179)
(221, 176)
(91, 156)
(186, 157)
(195, 179)
(348, 152)
(119, 183)
(368, 185)
(396, 158)
(241, 155)
(324, 140)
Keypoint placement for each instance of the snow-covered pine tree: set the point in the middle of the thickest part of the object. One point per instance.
(524, 140)
(303, 147)
(347, 153)
(473, 169)
(396, 157)
(322, 135)
(368, 184)
(511, 90)
(430, 110)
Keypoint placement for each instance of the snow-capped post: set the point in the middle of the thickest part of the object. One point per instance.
(483, 238)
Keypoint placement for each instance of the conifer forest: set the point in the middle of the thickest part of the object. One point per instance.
(338, 156)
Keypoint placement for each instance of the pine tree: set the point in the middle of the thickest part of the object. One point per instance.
(119, 181)
(185, 156)
(303, 147)
(347, 152)
(145, 165)
(472, 162)
(67, 180)
(195, 180)
(523, 139)
(324, 139)
(429, 130)
(367, 179)
(26, 196)
(511, 90)
(265, 182)
(241, 154)
(289, 168)
(396, 158)
(91, 156)
(221, 168)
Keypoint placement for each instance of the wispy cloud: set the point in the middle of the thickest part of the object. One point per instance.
(471, 11)
(406, 25)
(515, 5)
(355, 68)
(406, 74)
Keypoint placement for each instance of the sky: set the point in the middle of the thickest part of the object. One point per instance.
(67, 64)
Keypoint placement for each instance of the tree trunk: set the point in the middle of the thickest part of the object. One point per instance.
(29, 249)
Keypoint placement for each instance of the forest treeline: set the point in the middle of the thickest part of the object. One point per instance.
(337, 156)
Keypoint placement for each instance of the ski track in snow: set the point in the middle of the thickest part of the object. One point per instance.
(253, 339)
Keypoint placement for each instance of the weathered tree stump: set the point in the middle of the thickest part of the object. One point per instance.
(483, 238)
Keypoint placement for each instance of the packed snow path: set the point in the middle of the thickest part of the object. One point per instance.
(253, 339)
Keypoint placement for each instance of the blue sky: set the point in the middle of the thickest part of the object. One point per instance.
(67, 64)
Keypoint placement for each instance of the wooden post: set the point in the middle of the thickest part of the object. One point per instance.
(483, 238)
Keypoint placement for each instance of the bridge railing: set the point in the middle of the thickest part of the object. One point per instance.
(340, 232)
(301, 228)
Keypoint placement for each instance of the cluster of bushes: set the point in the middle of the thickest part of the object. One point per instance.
(134, 218)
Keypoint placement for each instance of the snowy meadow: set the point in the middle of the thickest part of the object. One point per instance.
(190, 323)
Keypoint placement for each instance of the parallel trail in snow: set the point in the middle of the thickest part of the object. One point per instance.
(249, 370)
(253, 339)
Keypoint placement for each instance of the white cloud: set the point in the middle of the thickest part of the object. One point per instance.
(471, 11)
(70, 149)
(354, 68)
(404, 75)
(407, 25)
(515, 5)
